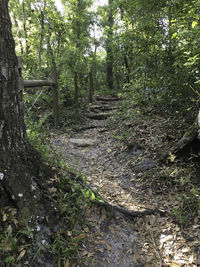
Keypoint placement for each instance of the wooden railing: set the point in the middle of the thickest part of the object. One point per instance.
(40, 83)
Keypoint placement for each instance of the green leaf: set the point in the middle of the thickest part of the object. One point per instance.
(92, 197)
(86, 193)
(9, 259)
(5, 217)
(194, 23)
(9, 230)
(174, 35)
(172, 157)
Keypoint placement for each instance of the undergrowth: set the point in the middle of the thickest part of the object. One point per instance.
(156, 129)
(20, 245)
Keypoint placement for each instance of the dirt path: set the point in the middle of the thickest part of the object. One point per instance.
(116, 239)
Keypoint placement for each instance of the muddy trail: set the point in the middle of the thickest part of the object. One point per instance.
(132, 228)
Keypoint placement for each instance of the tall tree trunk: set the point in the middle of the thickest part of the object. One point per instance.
(109, 53)
(24, 27)
(91, 86)
(20, 164)
(54, 74)
(127, 68)
(42, 34)
(76, 90)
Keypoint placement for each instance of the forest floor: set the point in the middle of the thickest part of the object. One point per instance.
(147, 223)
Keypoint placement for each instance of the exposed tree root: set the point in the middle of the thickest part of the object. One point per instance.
(113, 208)
(129, 213)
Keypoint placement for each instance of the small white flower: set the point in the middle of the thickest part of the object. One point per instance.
(20, 195)
(33, 186)
(1, 176)
(44, 242)
(38, 228)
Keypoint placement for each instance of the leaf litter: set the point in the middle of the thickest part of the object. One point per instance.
(115, 239)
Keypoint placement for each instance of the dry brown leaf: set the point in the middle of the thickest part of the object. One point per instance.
(85, 253)
(100, 249)
(90, 254)
(86, 229)
(108, 246)
(184, 250)
(21, 255)
(69, 233)
(52, 190)
(67, 263)
(81, 236)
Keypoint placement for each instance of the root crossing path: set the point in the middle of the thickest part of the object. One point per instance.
(134, 231)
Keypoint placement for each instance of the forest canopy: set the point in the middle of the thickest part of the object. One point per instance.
(150, 48)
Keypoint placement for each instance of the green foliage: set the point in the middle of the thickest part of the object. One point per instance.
(189, 207)
(37, 136)
(149, 45)
(72, 200)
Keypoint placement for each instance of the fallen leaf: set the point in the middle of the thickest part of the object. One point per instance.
(81, 236)
(69, 233)
(52, 190)
(86, 229)
(67, 263)
(21, 255)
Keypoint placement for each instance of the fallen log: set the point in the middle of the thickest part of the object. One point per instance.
(192, 134)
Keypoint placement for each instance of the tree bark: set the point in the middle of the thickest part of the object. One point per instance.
(42, 17)
(54, 74)
(109, 52)
(91, 85)
(76, 89)
(22, 171)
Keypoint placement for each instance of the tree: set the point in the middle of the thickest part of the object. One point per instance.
(22, 172)
(79, 20)
(109, 52)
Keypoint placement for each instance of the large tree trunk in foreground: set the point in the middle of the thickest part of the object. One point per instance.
(21, 170)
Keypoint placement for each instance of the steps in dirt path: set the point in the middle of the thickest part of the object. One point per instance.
(88, 127)
(128, 228)
(108, 98)
(102, 108)
(83, 142)
(98, 116)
